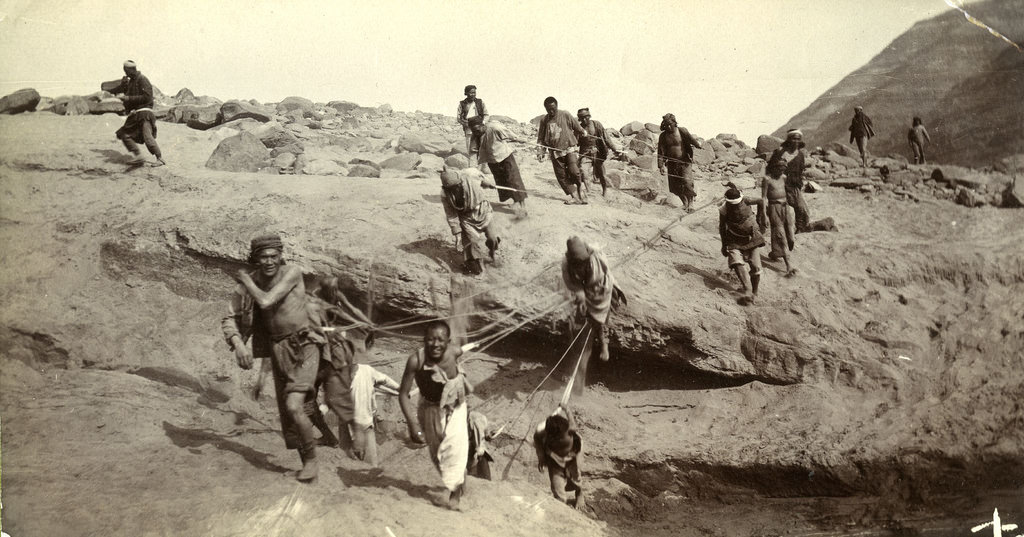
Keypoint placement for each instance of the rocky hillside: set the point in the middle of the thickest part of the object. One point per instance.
(966, 84)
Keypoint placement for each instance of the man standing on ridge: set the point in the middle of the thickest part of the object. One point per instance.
(595, 146)
(136, 93)
(861, 131)
(469, 108)
(675, 149)
(557, 136)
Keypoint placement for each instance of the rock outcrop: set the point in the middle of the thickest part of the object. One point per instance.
(23, 100)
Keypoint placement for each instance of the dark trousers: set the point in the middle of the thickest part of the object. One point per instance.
(795, 199)
(130, 135)
(567, 172)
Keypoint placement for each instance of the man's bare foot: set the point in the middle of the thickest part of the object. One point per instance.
(792, 272)
(159, 162)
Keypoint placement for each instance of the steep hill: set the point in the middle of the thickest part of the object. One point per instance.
(966, 84)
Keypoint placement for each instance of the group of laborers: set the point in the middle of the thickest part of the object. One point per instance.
(313, 342)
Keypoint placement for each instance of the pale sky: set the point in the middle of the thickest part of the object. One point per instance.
(743, 67)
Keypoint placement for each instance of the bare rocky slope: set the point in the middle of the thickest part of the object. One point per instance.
(884, 382)
(965, 83)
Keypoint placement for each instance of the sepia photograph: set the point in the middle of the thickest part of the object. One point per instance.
(694, 268)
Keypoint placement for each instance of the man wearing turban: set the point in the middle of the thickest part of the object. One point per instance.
(136, 93)
(675, 150)
(595, 146)
(469, 215)
(791, 157)
(281, 321)
(587, 276)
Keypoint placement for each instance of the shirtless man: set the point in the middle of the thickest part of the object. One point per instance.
(296, 342)
(675, 148)
(773, 190)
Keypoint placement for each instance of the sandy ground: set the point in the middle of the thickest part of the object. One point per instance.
(123, 412)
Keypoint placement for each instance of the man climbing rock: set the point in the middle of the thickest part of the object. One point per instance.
(587, 276)
(741, 241)
(282, 320)
(469, 215)
(136, 93)
(675, 150)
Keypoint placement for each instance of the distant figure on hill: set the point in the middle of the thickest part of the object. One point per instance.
(469, 108)
(773, 192)
(741, 237)
(917, 136)
(559, 450)
(594, 290)
(557, 136)
(441, 417)
(495, 150)
(469, 215)
(136, 93)
(675, 150)
(791, 156)
(861, 131)
(595, 146)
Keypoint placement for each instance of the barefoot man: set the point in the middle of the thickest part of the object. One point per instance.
(675, 150)
(282, 321)
(441, 419)
(586, 274)
(773, 191)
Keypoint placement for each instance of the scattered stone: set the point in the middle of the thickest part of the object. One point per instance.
(323, 166)
(199, 115)
(673, 201)
(851, 182)
(867, 188)
(1013, 196)
(273, 134)
(836, 158)
(815, 174)
(295, 103)
(234, 110)
(843, 150)
(968, 197)
(432, 163)
(284, 160)
(71, 106)
(402, 161)
(110, 105)
(23, 100)
(825, 224)
(342, 107)
(766, 144)
(645, 162)
(184, 95)
(240, 153)
(362, 170)
(640, 147)
(628, 129)
(703, 156)
(426, 142)
(812, 187)
(1013, 165)
(757, 168)
(385, 109)
(651, 127)
(457, 161)
(299, 166)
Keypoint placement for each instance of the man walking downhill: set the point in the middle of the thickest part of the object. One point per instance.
(595, 146)
(791, 157)
(675, 150)
(557, 136)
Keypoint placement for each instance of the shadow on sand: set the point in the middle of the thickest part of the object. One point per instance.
(194, 438)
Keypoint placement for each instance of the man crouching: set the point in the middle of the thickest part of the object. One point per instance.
(296, 342)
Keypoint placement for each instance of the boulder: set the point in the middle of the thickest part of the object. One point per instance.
(425, 142)
(825, 224)
(432, 163)
(628, 129)
(402, 161)
(673, 201)
(844, 150)
(362, 170)
(645, 136)
(284, 160)
(71, 106)
(240, 153)
(295, 103)
(615, 178)
(812, 187)
(295, 116)
(110, 105)
(815, 174)
(206, 115)
(767, 143)
(23, 100)
(364, 162)
(866, 188)
(640, 147)
(299, 166)
(651, 127)
(235, 109)
(342, 107)
(296, 149)
(703, 156)
(273, 134)
(968, 197)
(757, 168)
(717, 146)
(1013, 196)
(730, 140)
(184, 95)
(458, 162)
(891, 163)
(385, 109)
(836, 158)
(323, 166)
(645, 162)
(851, 182)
